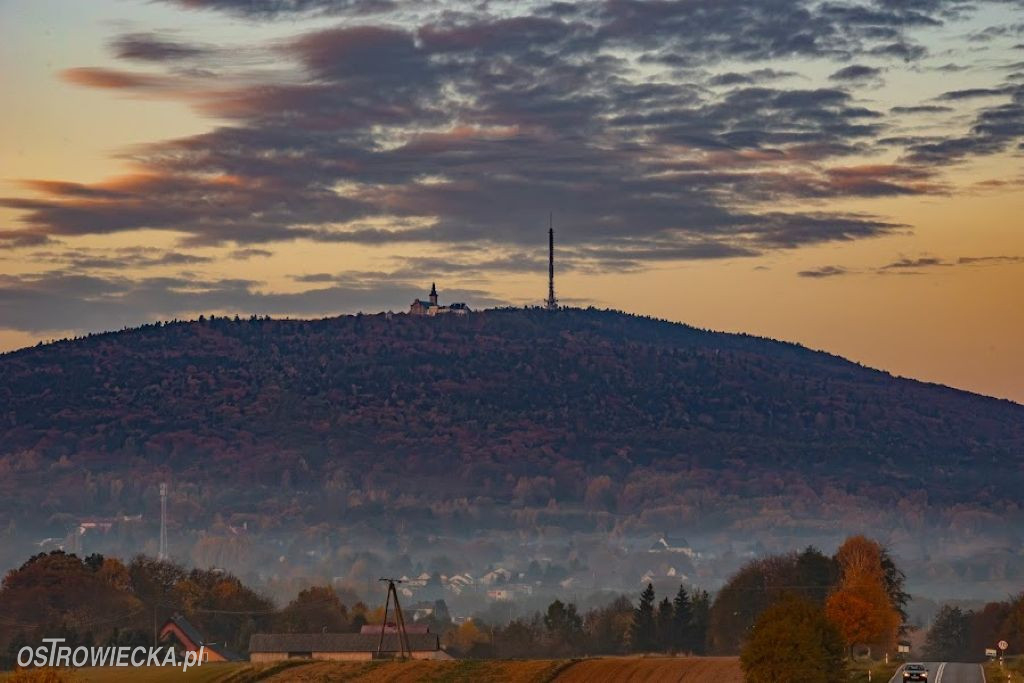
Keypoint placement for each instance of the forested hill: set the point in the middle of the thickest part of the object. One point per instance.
(520, 406)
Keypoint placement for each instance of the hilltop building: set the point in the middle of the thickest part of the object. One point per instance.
(431, 307)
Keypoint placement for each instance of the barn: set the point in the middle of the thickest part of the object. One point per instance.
(274, 647)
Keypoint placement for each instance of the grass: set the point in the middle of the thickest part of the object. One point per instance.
(880, 671)
(1012, 670)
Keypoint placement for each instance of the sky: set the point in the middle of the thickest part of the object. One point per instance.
(845, 174)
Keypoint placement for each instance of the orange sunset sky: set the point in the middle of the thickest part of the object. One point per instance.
(846, 174)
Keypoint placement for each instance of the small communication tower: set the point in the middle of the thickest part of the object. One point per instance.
(551, 303)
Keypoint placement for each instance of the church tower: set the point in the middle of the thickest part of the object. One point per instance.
(433, 294)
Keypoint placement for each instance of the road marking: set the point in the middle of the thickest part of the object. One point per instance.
(984, 678)
(938, 675)
(896, 675)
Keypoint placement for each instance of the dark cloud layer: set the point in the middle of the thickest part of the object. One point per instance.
(856, 72)
(150, 47)
(824, 272)
(463, 127)
(267, 9)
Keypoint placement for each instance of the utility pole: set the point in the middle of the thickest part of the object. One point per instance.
(162, 553)
(403, 637)
(551, 304)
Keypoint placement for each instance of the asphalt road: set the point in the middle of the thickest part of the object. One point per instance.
(948, 672)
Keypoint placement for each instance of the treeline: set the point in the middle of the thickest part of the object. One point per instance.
(788, 615)
(677, 625)
(100, 600)
(853, 599)
(806, 632)
(860, 587)
(964, 635)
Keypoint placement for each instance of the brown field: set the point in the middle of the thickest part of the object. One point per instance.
(602, 670)
(654, 669)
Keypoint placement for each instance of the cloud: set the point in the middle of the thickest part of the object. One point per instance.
(15, 239)
(994, 129)
(758, 76)
(879, 180)
(245, 254)
(268, 9)
(913, 264)
(856, 72)
(113, 79)
(824, 272)
(989, 260)
(461, 129)
(90, 259)
(922, 109)
(973, 93)
(151, 47)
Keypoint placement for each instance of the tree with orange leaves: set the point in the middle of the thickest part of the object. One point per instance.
(860, 606)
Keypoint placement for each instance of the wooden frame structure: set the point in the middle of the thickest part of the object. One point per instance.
(403, 638)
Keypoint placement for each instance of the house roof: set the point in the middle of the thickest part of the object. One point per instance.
(186, 628)
(338, 642)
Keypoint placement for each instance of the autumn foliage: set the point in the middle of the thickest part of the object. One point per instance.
(860, 606)
(290, 424)
(103, 601)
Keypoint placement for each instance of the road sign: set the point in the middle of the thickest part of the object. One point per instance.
(990, 652)
(1003, 645)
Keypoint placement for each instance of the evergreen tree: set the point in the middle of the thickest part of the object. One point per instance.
(564, 627)
(663, 625)
(894, 582)
(682, 622)
(700, 623)
(642, 630)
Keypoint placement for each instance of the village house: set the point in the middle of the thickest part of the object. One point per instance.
(431, 307)
(178, 631)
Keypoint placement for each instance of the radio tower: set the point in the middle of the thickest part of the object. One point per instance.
(552, 303)
(162, 554)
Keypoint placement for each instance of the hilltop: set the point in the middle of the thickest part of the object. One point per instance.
(574, 421)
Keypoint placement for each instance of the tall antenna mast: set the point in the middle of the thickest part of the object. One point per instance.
(162, 554)
(551, 304)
